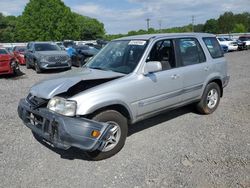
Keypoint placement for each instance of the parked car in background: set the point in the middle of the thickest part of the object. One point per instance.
(46, 55)
(232, 45)
(9, 49)
(241, 45)
(19, 52)
(8, 63)
(130, 79)
(60, 44)
(224, 48)
(82, 53)
(246, 39)
(100, 43)
(68, 43)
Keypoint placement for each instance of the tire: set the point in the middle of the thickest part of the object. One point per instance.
(27, 64)
(37, 68)
(117, 119)
(16, 71)
(210, 99)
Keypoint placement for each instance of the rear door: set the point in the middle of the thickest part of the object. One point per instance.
(195, 68)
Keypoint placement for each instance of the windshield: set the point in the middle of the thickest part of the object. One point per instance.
(221, 39)
(119, 56)
(244, 38)
(20, 49)
(47, 47)
(3, 52)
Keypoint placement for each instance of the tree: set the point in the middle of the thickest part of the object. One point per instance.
(211, 26)
(47, 20)
(239, 28)
(89, 28)
(226, 22)
(7, 28)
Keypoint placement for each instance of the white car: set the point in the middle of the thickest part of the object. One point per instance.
(232, 45)
(246, 39)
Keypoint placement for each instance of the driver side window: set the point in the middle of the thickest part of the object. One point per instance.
(163, 51)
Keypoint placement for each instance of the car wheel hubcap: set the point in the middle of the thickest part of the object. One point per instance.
(113, 137)
(212, 98)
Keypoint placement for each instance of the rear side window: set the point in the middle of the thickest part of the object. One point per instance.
(190, 51)
(213, 47)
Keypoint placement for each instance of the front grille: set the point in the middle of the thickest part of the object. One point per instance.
(36, 102)
(45, 125)
(58, 65)
(57, 59)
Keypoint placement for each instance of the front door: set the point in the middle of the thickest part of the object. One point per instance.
(160, 90)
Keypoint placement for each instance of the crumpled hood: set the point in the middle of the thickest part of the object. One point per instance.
(61, 83)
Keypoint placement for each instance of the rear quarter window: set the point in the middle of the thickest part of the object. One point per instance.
(213, 47)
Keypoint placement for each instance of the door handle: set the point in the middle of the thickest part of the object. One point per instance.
(206, 68)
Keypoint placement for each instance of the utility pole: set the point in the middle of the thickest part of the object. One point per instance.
(148, 20)
(160, 23)
(193, 23)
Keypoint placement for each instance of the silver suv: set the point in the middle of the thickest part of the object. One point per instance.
(131, 79)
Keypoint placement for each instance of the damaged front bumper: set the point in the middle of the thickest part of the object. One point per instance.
(61, 131)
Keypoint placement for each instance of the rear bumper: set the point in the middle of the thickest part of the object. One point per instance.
(61, 131)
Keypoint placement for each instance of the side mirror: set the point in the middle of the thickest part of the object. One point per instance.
(151, 67)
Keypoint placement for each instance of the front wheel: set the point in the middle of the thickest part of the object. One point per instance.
(27, 63)
(37, 68)
(115, 140)
(210, 99)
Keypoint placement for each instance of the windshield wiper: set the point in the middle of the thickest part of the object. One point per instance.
(100, 68)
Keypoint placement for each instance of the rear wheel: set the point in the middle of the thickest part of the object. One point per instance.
(210, 99)
(115, 140)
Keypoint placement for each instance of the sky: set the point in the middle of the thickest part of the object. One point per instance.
(121, 16)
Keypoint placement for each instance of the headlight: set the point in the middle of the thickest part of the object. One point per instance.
(43, 59)
(62, 106)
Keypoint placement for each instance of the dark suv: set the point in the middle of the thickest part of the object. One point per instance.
(46, 55)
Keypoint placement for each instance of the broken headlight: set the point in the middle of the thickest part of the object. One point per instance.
(62, 106)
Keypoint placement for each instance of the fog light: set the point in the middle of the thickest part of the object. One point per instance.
(95, 133)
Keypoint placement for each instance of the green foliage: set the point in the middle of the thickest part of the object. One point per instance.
(226, 23)
(211, 26)
(88, 28)
(239, 28)
(49, 20)
(7, 28)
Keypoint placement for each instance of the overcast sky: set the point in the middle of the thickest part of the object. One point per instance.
(121, 16)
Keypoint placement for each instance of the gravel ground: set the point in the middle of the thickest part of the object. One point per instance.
(176, 149)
